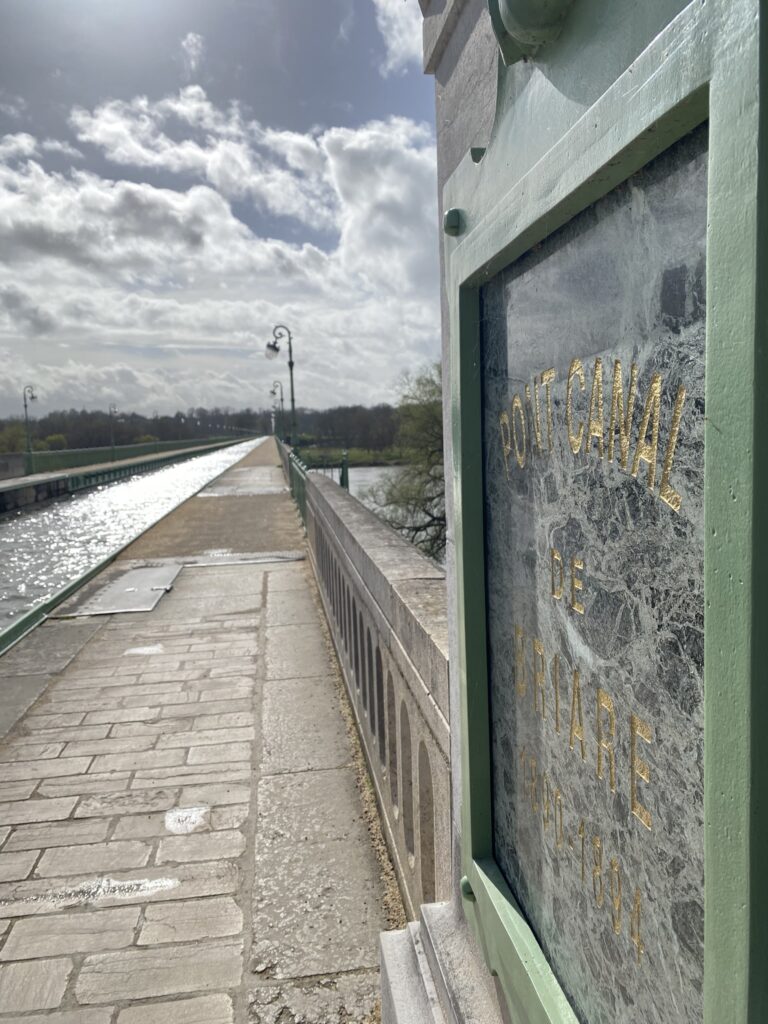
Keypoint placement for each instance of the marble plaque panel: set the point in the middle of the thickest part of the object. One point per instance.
(593, 380)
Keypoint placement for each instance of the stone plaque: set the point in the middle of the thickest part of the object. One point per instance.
(593, 377)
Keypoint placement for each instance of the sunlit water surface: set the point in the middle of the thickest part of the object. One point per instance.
(361, 478)
(44, 549)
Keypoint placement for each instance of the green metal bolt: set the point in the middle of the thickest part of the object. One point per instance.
(453, 222)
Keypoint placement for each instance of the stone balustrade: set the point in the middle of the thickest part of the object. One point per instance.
(386, 608)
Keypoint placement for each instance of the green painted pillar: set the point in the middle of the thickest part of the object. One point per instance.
(604, 204)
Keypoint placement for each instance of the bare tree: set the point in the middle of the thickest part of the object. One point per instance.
(412, 500)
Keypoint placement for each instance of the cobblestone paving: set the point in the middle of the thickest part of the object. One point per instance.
(181, 839)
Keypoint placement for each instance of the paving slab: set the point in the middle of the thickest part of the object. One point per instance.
(36, 937)
(147, 885)
(297, 652)
(350, 997)
(336, 885)
(19, 693)
(48, 834)
(168, 970)
(112, 856)
(302, 727)
(15, 866)
(215, 1009)
(309, 807)
(100, 1015)
(33, 984)
(291, 607)
(191, 920)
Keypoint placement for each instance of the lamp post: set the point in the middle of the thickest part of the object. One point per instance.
(279, 332)
(275, 385)
(112, 414)
(29, 396)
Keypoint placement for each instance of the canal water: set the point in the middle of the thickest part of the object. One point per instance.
(361, 478)
(43, 549)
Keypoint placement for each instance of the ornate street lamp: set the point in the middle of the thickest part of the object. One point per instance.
(29, 396)
(112, 414)
(273, 392)
(279, 332)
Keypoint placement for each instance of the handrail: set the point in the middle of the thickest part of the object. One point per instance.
(68, 458)
(298, 481)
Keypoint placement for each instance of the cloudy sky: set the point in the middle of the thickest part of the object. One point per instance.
(177, 176)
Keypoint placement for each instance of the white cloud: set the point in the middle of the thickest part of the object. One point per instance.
(65, 148)
(193, 49)
(17, 146)
(21, 311)
(107, 284)
(400, 24)
(276, 170)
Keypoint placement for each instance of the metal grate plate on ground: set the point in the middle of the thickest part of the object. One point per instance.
(137, 590)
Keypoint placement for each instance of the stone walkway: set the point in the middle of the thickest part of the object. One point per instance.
(182, 838)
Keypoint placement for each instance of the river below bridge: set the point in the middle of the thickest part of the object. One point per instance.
(43, 549)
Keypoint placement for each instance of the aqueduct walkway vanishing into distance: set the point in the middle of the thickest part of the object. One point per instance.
(187, 828)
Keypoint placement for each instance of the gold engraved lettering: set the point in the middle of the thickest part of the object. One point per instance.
(615, 884)
(577, 565)
(518, 415)
(556, 684)
(547, 803)
(634, 926)
(666, 492)
(546, 379)
(506, 440)
(596, 426)
(597, 871)
(539, 676)
(533, 784)
(639, 769)
(521, 683)
(535, 413)
(559, 824)
(556, 559)
(575, 440)
(647, 451)
(577, 720)
(618, 416)
(605, 742)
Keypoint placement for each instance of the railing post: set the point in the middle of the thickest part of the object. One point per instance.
(344, 474)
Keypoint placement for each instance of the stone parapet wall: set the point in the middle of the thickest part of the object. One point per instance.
(386, 608)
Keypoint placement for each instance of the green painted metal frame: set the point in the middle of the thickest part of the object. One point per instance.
(298, 483)
(706, 64)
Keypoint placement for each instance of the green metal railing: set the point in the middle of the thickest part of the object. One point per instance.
(298, 483)
(296, 470)
(49, 462)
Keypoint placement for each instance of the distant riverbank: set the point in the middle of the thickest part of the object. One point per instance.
(318, 457)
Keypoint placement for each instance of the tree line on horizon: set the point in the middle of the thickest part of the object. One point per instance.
(409, 434)
(373, 428)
